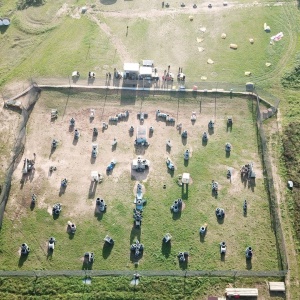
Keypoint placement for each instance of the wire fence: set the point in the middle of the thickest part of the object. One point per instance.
(215, 89)
(148, 273)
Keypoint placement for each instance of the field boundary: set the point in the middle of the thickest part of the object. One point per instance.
(214, 89)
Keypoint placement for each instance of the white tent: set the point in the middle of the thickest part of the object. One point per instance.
(146, 71)
(185, 178)
(147, 63)
(131, 67)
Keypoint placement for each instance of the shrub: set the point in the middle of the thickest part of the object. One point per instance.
(23, 4)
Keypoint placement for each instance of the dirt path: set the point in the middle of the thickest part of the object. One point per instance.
(292, 278)
(119, 46)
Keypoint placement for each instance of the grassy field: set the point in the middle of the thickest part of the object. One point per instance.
(119, 288)
(208, 162)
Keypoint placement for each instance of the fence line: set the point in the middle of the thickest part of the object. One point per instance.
(147, 273)
(213, 89)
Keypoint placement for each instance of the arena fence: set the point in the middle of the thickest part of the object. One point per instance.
(200, 89)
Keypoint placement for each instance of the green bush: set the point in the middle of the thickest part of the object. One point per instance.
(22, 4)
(292, 79)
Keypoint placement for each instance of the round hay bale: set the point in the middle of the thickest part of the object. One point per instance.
(251, 41)
(247, 73)
(203, 78)
(233, 46)
(191, 18)
(223, 35)
(210, 61)
(268, 64)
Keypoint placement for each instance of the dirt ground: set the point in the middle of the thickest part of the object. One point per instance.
(73, 159)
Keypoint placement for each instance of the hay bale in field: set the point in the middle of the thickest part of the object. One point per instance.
(201, 49)
(191, 18)
(247, 73)
(199, 40)
(203, 78)
(268, 64)
(233, 46)
(210, 61)
(251, 41)
(223, 35)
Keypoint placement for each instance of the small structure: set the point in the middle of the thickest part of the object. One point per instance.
(167, 238)
(170, 165)
(141, 136)
(54, 113)
(101, 205)
(64, 182)
(51, 244)
(247, 171)
(183, 256)
(91, 75)
(211, 124)
(28, 165)
(140, 164)
(229, 121)
(25, 249)
(137, 217)
(95, 131)
(12, 103)
(131, 71)
(33, 200)
(104, 125)
(76, 134)
(185, 178)
(227, 147)
(92, 113)
(250, 87)
(114, 142)
(220, 213)
(241, 292)
(193, 116)
(111, 165)
(168, 144)
(71, 227)
(228, 174)
(75, 75)
(214, 187)
(276, 286)
(108, 240)
(131, 129)
(5, 22)
(137, 248)
(223, 248)
(184, 134)
(177, 206)
(204, 136)
(249, 252)
(96, 177)
(290, 184)
(203, 229)
(54, 143)
(139, 200)
(245, 207)
(89, 257)
(123, 115)
(145, 73)
(186, 155)
(151, 129)
(72, 122)
(142, 116)
(56, 209)
(94, 150)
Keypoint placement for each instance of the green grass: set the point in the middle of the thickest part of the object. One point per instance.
(207, 163)
(119, 288)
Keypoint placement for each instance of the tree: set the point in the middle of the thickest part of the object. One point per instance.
(23, 4)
